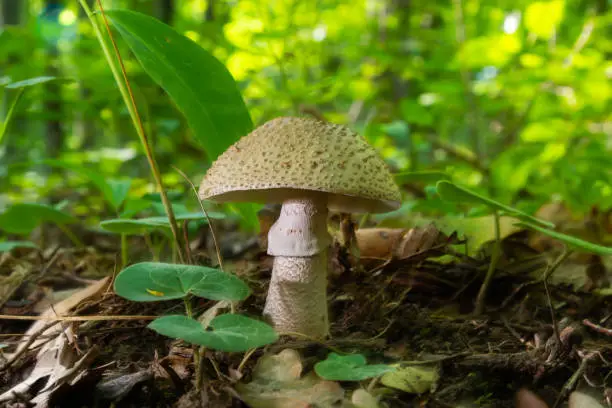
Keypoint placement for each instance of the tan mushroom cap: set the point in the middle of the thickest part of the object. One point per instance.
(290, 157)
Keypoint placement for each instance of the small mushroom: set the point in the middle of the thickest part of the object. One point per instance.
(310, 167)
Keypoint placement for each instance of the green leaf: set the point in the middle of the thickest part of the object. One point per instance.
(199, 84)
(9, 115)
(451, 192)
(542, 17)
(8, 246)
(161, 223)
(118, 191)
(115, 191)
(152, 281)
(413, 379)
(426, 177)
(349, 368)
(30, 82)
(571, 241)
(23, 218)
(228, 332)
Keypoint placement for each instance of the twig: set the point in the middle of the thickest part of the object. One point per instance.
(597, 328)
(76, 318)
(551, 308)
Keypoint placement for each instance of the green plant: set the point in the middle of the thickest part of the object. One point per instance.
(20, 86)
(352, 367)
(451, 192)
(454, 193)
(23, 218)
(154, 281)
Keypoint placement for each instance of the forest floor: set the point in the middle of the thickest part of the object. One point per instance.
(395, 296)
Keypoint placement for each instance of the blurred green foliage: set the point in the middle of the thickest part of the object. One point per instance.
(511, 99)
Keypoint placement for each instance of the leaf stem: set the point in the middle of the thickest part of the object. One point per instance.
(482, 294)
(120, 75)
(73, 238)
(197, 356)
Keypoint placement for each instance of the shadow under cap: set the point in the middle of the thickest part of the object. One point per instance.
(335, 201)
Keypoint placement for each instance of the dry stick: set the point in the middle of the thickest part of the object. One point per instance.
(128, 97)
(551, 308)
(482, 294)
(597, 328)
(76, 318)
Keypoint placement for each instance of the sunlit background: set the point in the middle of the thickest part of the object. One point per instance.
(509, 97)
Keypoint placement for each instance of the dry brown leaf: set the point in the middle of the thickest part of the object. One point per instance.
(277, 384)
(59, 309)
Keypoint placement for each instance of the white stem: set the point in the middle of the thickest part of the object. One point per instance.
(299, 241)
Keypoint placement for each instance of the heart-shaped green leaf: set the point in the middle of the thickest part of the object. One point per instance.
(575, 243)
(351, 367)
(7, 246)
(452, 192)
(227, 332)
(24, 217)
(154, 281)
(142, 225)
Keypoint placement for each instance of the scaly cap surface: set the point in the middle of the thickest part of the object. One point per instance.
(293, 157)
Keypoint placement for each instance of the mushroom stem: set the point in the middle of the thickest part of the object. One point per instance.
(299, 241)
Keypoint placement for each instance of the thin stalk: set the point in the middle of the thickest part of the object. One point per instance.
(197, 357)
(120, 75)
(482, 294)
(73, 238)
(124, 251)
(9, 114)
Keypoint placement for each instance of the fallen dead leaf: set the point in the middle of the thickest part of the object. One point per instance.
(277, 383)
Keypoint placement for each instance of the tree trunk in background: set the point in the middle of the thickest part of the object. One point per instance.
(165, 11)
(52, 94)
(210, 11)
(83, 127)
(11, 12)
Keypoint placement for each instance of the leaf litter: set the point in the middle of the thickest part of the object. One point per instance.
(402, 297)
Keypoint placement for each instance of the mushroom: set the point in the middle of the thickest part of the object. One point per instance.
(310, 167)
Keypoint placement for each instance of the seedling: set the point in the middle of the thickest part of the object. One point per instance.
(451, 192)
(352, 367)
(20, 87)
(152, 281)
(148, 225)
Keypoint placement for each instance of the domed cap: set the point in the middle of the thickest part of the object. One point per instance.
(289, 158)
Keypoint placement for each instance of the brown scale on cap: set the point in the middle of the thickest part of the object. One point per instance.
(286, 155)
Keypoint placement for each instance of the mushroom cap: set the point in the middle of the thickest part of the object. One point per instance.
(291, 158)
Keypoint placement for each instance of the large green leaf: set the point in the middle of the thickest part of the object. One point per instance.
(199, 84)
(153, 281)
(24, 217)
(142, 225)
(228, 332)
